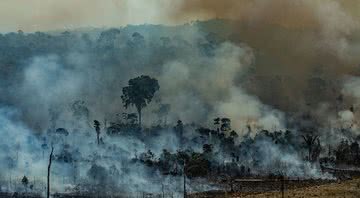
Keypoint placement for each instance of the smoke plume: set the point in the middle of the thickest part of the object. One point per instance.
(293, 41)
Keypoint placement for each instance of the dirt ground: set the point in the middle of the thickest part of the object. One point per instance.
(344, 189)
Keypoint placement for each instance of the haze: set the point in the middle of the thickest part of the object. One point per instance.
(43, 15)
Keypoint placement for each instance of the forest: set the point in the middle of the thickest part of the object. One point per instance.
(165, 111)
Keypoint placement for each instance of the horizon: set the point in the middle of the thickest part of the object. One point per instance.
(68, 14)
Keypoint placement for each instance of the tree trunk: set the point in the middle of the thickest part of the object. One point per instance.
(48, 174)
(162, 189)
(185, 194)
(231, 185)
(139, 112)
(98, 137)
(282, 186)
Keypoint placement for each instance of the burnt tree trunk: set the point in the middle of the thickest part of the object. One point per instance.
(282, 188)
(231, 184)
(139, 113)
(185, 194)
(309, 153)
(48, 173)
(98, 137)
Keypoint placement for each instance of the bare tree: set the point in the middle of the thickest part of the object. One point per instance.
(184, 175)
(217, 124)
(48, 174)
(310, 142)
(282, 187)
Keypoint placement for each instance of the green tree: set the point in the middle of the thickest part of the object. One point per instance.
(139, 93)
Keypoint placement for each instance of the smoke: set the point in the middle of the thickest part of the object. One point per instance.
(291, 40)
(205, 88)
(280, 57)
(248, 111)
(197, 86)
(21, 148)
(352, 87)
(67, 14)
(286, 161)
(47, 84)
(348, 117)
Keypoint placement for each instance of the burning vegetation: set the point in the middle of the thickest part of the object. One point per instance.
(166, 111)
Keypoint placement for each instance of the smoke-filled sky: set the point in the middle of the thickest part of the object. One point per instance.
(291, 39)
(33, 15)
(315, 32)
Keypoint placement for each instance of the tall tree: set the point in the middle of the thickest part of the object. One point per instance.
(48, 173)
(139, 93)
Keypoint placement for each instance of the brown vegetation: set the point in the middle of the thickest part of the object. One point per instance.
(344, 189)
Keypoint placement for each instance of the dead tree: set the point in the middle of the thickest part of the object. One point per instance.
(97, 129)
(217, 124)
(162, 190)
(48, 173)
(184, 174)
(310, 141)
(282, 187)
(231, 183)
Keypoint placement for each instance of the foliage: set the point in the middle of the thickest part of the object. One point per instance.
(25, 181)
(98, 173)
(139, 92)
(348, 153)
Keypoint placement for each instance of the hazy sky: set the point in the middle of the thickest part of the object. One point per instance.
(33, 15)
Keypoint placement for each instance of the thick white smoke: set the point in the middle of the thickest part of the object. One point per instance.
(203, 88)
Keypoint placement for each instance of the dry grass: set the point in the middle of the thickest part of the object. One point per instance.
(346, 189)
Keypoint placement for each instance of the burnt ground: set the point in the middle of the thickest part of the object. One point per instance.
(258, 186)
(339, 189)
(19, 195)
(241, 187)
